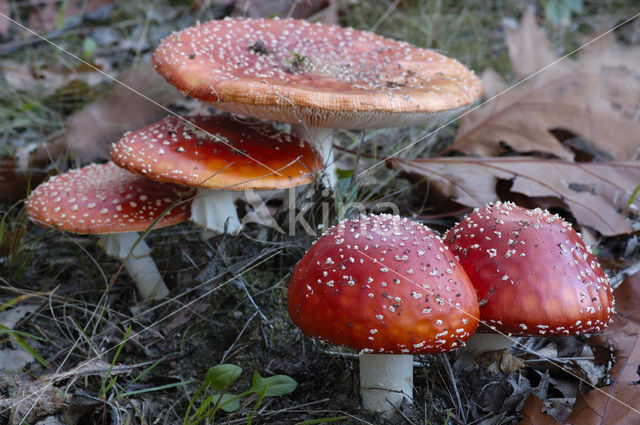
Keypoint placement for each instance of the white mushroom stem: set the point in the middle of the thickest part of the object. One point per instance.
(322, 140)
(139, 264)
(482, 342)
(385, 379)
(214, 210)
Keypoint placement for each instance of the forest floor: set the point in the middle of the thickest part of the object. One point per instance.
(73, 353)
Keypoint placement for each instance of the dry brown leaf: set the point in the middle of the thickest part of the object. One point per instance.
(606, 52)
(596, 193)
(618, 403)
(533, 413)
(529, 48)
(492, 83)
(22, 77)
(91, 130)
(596, 99)
(579, 102)
(47, 81)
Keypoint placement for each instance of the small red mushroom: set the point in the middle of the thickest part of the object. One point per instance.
(217, 155)
(386, 286)
(533, 274)
(107, 200)
(316, 77)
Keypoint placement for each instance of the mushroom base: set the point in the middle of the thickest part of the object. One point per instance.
(385, 379)
(214, 210)
(139, 264)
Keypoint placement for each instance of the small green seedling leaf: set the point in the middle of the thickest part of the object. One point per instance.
(559, 12)
(89, 47)
(575, 6)
(273, 386)
(344, 174)
(221, 376)
(227, 402)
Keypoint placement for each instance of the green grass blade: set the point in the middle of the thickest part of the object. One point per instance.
(158, 388)
(113, 362)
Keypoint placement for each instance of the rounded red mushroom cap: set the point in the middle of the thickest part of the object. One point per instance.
(533, 273)
(383, 284)
(239, 156)
(297, 72)
(104, 198)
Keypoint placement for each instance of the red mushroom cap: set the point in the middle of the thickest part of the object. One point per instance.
(241, 156)
(325, 76)
(533, 274)
(103, 198)
(384, 284)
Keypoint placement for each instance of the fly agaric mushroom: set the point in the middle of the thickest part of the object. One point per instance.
(390, 288)
(533, 274)
(315, 77)
(112, 202)
(217, 155)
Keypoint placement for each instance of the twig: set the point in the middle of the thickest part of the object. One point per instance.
(560, 359)
(616, 280)
(116, 369)
(455, 386)
(362, 154)
(224, 356)
(243, 285)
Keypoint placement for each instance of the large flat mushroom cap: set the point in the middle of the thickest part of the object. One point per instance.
(299, 72)
(218, 153)
(383, 284)
(103, 198)
(533, 273)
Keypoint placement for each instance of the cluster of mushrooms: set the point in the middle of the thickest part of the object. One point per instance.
(391, 288)
(313, 77)
(384, 285)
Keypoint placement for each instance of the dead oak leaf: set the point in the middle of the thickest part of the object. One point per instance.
(596, 193)
(47, 80)
(136, 100)
(534, 414)
(619, 402)
(606, 52)
(595, 98)
(581, 103)
(529, 48)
